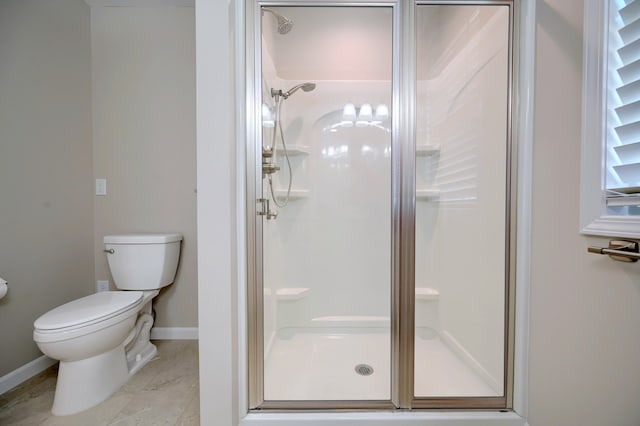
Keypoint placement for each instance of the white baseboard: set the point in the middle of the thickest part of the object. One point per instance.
(468, 359)
(27, 371)
(174, 333)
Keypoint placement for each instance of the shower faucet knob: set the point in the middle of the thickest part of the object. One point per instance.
(269, 168)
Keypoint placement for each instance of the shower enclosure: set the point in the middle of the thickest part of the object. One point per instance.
(380, 204)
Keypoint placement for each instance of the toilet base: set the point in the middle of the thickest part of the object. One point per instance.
(138, 346)
(85, 383)
(140, 356)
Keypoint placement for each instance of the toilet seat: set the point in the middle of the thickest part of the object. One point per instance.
(86, 315)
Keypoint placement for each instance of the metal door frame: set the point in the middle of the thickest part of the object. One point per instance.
(403, 206)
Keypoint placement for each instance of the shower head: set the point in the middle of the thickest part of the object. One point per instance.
(306, 87)
(284, 24)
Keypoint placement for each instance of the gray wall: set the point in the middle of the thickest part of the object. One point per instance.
(46, 206)
(86, 93)
(585, 309)
(144, 137)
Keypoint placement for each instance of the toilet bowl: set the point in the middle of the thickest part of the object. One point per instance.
(103, 339)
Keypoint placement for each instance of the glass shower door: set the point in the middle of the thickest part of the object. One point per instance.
(462, 200)
(326, 186)
(381, 205)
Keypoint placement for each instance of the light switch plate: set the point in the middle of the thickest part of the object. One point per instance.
(101, 186)
(102, 285)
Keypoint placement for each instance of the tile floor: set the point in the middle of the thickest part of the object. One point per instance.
(164, 392)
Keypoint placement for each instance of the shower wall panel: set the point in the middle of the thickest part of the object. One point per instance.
(333, 238)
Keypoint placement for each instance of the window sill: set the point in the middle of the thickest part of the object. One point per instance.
(614, 226)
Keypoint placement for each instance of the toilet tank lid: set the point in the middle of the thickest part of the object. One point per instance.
(142, 238)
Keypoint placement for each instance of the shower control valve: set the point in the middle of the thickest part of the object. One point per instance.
(269, 168)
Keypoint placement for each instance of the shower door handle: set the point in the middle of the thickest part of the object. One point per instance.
(264, 202)
(266, 209)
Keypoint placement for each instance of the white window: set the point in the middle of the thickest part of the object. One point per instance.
(611, 119)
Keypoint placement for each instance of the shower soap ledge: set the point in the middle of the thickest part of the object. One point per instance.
(293, 293)
(295, 194)
(426, 150)
(427, 194)
(296, 149)
(426, 293)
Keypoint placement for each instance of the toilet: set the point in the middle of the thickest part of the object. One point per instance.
(103, 339)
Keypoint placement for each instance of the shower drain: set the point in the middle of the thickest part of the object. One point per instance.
(364, 369)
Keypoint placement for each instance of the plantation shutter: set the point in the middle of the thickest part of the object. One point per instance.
(623, 139)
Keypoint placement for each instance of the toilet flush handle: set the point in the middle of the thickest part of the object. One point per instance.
(110, 251)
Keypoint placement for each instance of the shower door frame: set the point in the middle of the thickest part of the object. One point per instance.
(403, 205)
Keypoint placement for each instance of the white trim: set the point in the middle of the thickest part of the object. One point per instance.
(593, 218)
(384, 418)
(593, 117)
(612, 226)
(216, 213)
(174, 333)
(24, 373)
(241, 212)
(525, 120)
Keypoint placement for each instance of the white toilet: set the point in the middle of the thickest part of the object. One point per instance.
(103, 339)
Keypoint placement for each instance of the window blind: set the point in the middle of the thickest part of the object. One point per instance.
(623, 138)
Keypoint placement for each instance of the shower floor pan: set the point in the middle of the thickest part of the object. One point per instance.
(354, 364)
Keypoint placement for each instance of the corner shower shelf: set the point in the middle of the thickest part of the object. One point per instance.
(294, 293)
(296, 149)
(426, 293)
(427, 194)
(295, 194)
(427, 150)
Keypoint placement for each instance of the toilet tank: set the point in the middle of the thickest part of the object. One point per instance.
(142, 261)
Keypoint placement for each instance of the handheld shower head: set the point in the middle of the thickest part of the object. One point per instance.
(284, 24)
(306, 87)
